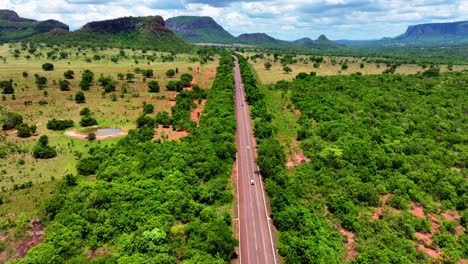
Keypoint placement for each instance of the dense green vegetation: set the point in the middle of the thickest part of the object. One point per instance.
(118, 38)
(152, 202)
(403, 136)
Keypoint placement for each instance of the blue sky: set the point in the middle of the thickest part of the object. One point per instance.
(283, 19)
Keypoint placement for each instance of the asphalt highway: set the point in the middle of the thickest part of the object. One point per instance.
(255, 233)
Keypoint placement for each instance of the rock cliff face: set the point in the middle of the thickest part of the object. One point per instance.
(199, 29)
(456, 28)
(12, 16)
(140, 24)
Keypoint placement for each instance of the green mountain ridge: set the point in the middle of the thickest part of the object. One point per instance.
(322, 42)
(127, 32)
(13, 27)
(263, 40)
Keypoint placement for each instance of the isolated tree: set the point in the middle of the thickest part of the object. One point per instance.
(87, 77)
(148, 73)
(170, 73)
(91, 136)
(268, 65)
(80, 97)
(41, 82)
(7, 87)
(344, 66)
(64, 85)
(186, 79)
(287, 69)
(110, 87)
(69, 74)
(85, 111)
(153, 87)
(148, 109)
(42, 150)
(48, 66)
(120, 76)
(87, 121)
(130, 76)
(25, 74)
(24, 131)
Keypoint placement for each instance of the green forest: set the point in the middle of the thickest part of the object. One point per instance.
(402, 137)
(151, 202)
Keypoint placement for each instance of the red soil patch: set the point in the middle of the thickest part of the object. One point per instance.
(297, 157)
(36, 235)
(172, 103)
(197, 112)
(379, 210)
(351, 252)
(452, 216)
(98, 252)
(168, 133)
(425, 240)
(429, 251)
(297, 112)
(463, 261)
(417, 210)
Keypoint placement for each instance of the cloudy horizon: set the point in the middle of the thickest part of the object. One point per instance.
(282, 19)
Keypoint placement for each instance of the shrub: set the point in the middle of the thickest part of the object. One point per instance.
(85, 111)
(153, 87)
(148, 109)
(64, 85)
(69, 74)
(186, 79)
(12, 120)
(91, 137)
(56, 125)
(175, 86)
(87, 121)
(41, 82)
(24, 131)
(7, 87)
(170, 73)
(48, 66)
(80, 97)
(42, 150)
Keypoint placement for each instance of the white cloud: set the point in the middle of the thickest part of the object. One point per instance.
(284, 19)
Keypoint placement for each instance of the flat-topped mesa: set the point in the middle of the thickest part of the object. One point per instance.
(12, 16)
(140, 24)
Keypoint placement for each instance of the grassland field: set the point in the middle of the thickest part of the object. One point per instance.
(276, 72)
(19, 167)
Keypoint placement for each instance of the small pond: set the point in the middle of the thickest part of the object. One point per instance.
(103, 132)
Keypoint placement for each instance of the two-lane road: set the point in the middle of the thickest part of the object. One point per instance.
(255, 235)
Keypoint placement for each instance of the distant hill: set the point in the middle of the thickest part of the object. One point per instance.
(435, 33)
(263, 40)
(127, 32)
(14, 27)
(198, 29)
(322, 43)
